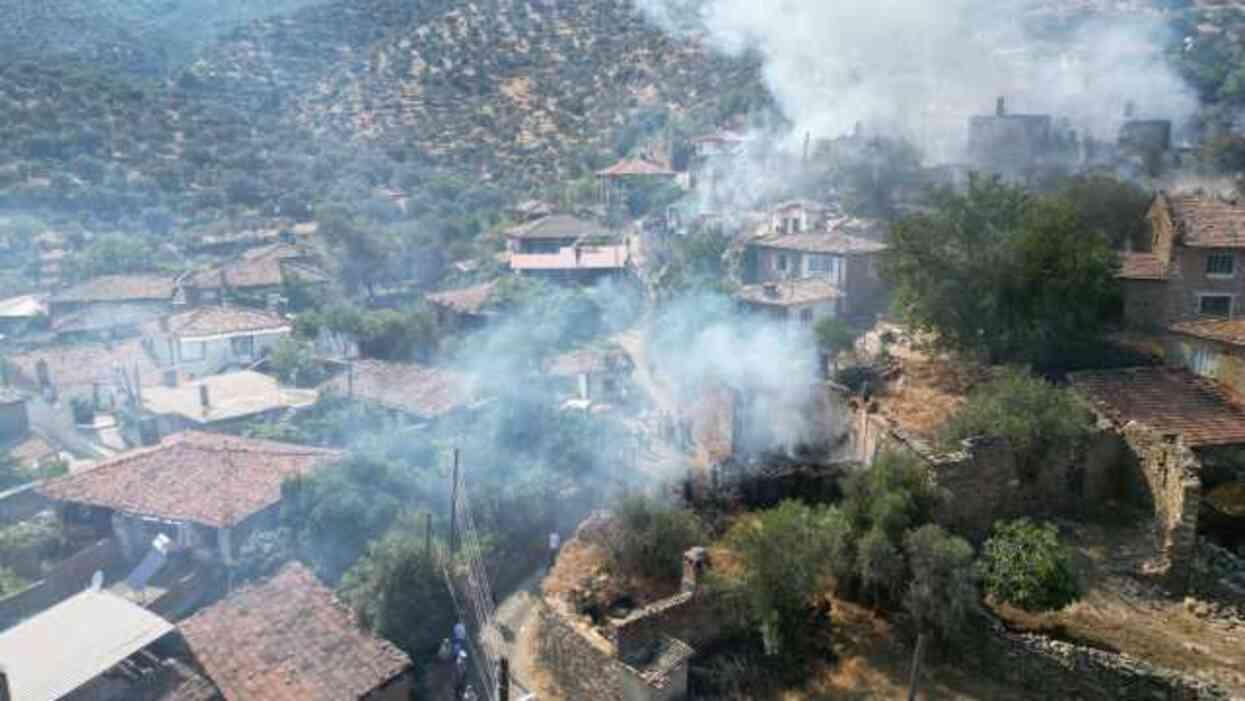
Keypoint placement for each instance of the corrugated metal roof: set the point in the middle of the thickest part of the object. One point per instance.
(68, 645)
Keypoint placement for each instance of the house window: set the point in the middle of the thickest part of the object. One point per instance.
(1221, 265)
(818, 264)
(1202, 361)
(243, 346)
(1215, 305)
(193, 350)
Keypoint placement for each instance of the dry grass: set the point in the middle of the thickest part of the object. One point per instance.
(578, 562)
(927, 391)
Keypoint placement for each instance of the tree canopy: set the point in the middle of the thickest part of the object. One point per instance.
(1011, 276)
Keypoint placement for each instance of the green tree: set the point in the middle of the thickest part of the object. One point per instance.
(293, 361)
(997, 272)
(1024, 564)
(113, 254)
(1041, 423)
(400, 593)
(784, 555)
(1114, 209)
(942, 593)
(650, 538)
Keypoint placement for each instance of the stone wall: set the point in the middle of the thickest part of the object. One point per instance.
(1060, 670)
(68, 578)
(22, 503)
(581, 667)
(1170, 472)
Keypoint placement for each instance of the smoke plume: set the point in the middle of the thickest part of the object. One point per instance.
(921, 68)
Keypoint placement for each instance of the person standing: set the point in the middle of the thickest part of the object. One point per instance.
(555, 542)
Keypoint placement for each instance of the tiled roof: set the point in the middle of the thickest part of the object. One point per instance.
(1168, 400)
(211, 479)
(1209, 221)
(82, 365)
(468, 300)
(289, 639)
(810, 205)
(220, 320)
(558, 226)
(266, 266)
(119, 288)
(232, 395)
(1142, 266)
(627, 167)
(418, 389)
(1222, 330)
(790, 292)
(101, 317)
(584, 360)
(832, 243)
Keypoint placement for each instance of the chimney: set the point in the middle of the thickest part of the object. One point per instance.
(204, 398)
(148, 433)
(41, 370)
(1000, 107)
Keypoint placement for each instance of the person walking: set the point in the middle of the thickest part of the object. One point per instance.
(555, 542)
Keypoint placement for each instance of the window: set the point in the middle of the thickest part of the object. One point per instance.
(193, 350)
(243, 346)
(818, 264)
(806, 316)
(1215, 305)
(781, 262)
(1202, 361)
(1221, 264)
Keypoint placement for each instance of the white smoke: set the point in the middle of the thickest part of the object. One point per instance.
(922, 68)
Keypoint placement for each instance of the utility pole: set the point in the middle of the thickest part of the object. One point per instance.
(916, 667)
(428, 536)
(454, 507)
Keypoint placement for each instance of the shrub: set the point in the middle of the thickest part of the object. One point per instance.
(1039, 421)
(1024, 564)
(942, 593)
(650, 538)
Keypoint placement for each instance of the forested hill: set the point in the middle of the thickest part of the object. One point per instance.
(336, 99)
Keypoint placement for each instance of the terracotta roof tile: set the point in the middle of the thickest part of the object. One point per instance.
(424, 391)
(207, 478)
(832, 243)
(119, 288)
(468, 300)
(1222, 330)
(558, 226)
(1168, 400)
(1142, 266)
(628, 167)
(790, 292)
(584, 360)
(1209, 221)
(80, 366)
(265, 266)
(216, 320)
(289, 639)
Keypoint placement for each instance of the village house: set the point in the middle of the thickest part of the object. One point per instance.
(205, 492)
(258, 273)
(94, 646)
(563, 247)
(422, 393)
(225, 403)
(590, 375)
(212, 339)
(111, 306)
(1211, 348)
(804, 265)
(22, 314)
(1192, 268)
(465, 308)
(618, 178)
(290, 637)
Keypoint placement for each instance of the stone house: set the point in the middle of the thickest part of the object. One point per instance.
(111, 306)
(425, 394)
(805, 301)
(1192, 269)
(590, 375)
(1212, 348)
(563, 247)
(465, 308)
(290, 637)
(258, 273)
(203, 491)
(801, 243)
(211, 339)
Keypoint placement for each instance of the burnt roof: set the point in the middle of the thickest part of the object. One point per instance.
(208, 478)
(290, 639)
(1168, 400)
(1208, 221)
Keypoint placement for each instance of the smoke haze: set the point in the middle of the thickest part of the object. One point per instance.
(921, 68)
